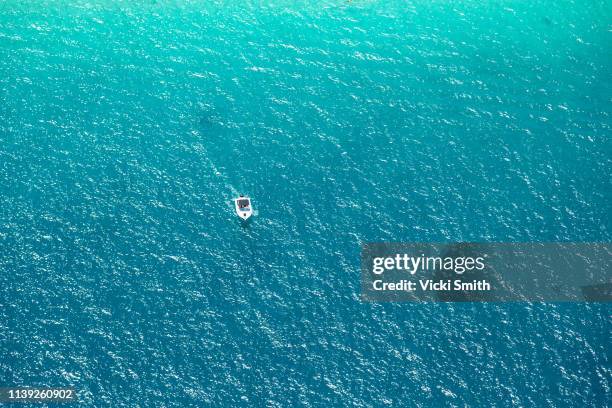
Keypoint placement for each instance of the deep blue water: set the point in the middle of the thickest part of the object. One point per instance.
(127, 127)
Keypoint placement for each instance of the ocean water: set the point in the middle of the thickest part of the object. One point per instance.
(127, 127)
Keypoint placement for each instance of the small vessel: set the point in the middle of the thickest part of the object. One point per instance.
(244, 209)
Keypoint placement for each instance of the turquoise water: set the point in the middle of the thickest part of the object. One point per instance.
(127, 127)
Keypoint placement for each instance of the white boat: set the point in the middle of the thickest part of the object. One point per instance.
(244, 209)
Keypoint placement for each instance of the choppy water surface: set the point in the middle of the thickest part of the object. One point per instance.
(126, 128)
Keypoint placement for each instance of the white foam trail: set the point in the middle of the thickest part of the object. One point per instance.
(228, 186)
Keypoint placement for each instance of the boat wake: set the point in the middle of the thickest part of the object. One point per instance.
(229, 192)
